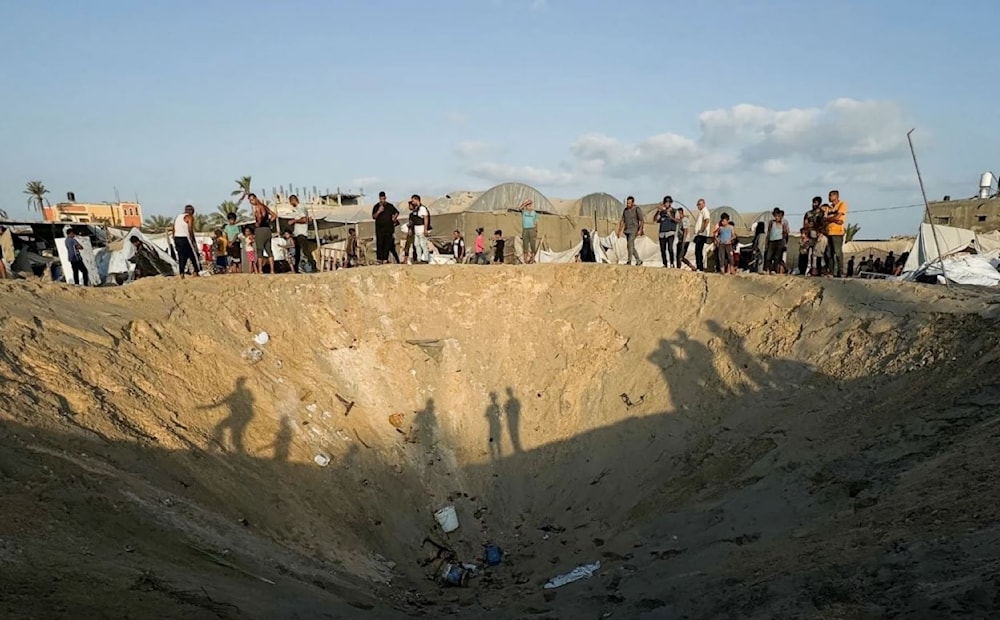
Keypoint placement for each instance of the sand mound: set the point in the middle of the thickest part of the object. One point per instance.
(725, 447)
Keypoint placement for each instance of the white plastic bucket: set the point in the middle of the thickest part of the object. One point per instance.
(447, 518)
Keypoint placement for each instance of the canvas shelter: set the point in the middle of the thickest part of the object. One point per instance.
(500, 198)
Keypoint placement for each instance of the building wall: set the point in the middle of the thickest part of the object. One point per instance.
(123, 214)
(980, 215)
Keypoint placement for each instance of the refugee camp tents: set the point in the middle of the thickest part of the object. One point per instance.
(116, 258)
(930, 238)
(499, 198)
(968, 257)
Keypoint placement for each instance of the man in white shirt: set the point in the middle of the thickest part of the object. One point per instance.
(702, 233)
(300, 231)
(421, 230)
(281, 249)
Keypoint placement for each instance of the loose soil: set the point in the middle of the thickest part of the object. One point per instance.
(726, 447)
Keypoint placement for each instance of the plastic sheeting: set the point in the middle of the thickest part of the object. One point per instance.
(117, 261)
(925, 248)
(971, 269)
(569, 256)
(509, 196)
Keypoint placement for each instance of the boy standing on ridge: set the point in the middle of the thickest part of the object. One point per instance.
(529, 230)
(725, 237)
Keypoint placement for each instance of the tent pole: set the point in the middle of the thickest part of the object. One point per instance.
(319, 257)
(927, 207)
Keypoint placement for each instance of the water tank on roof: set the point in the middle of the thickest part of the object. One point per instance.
(986, 184)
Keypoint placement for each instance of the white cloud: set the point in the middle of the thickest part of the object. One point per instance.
(844, 131)
(502, 173)
(742, 139)
(774, 167)
(868, 175)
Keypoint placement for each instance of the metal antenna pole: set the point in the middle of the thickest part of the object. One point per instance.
(927, 207)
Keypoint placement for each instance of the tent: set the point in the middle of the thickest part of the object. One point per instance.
(967, 257)
(925, 247)
(509, 196)
(115, 258)
(600, 204)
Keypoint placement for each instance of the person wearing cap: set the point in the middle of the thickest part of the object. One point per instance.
(666, 217)
(777, 241)
(529, 229)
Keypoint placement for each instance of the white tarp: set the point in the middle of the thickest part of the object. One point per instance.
(973, 269)
(617, 250)
(117, 261)
(569, 256)
(87, 254)
(925, 248)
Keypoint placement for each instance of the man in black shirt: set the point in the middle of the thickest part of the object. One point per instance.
(386, 218)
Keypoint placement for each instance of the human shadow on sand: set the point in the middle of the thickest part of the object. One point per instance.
(240, 403)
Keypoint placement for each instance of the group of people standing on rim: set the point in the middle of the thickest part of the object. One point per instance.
(821, 243)
(263, 251)
(416, 248)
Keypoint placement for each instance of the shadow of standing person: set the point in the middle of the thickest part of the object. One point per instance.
(283, 440)
(425, 421)
(493, 417)
(241, 404)
(689, 371)
(513, 410)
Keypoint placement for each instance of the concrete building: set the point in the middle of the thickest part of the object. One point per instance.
(978, 214)
(121, 214)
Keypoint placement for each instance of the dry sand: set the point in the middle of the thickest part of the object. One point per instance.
(727, 447)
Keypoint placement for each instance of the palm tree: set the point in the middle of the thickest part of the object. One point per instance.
(242, 189)
(227, 207)
(851, 232)
(203, 222)
(157, 223)
(36, 192)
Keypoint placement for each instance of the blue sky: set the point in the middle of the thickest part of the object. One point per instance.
(749, 104)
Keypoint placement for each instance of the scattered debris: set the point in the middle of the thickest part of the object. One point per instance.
(493, 555)
(253, 354)
(584, 571)
(311, 408)
(600, 476)
(348, 404)
(342, 434)
(453, 574)
(447, 518)
(397, 419)
(628, 401)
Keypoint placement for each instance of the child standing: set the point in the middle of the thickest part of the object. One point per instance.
(498, 243)
(458, 247)
(220, 248)
(725, 237)
(248, 243)
(480, 248)
(805, 246)
(352, 248)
